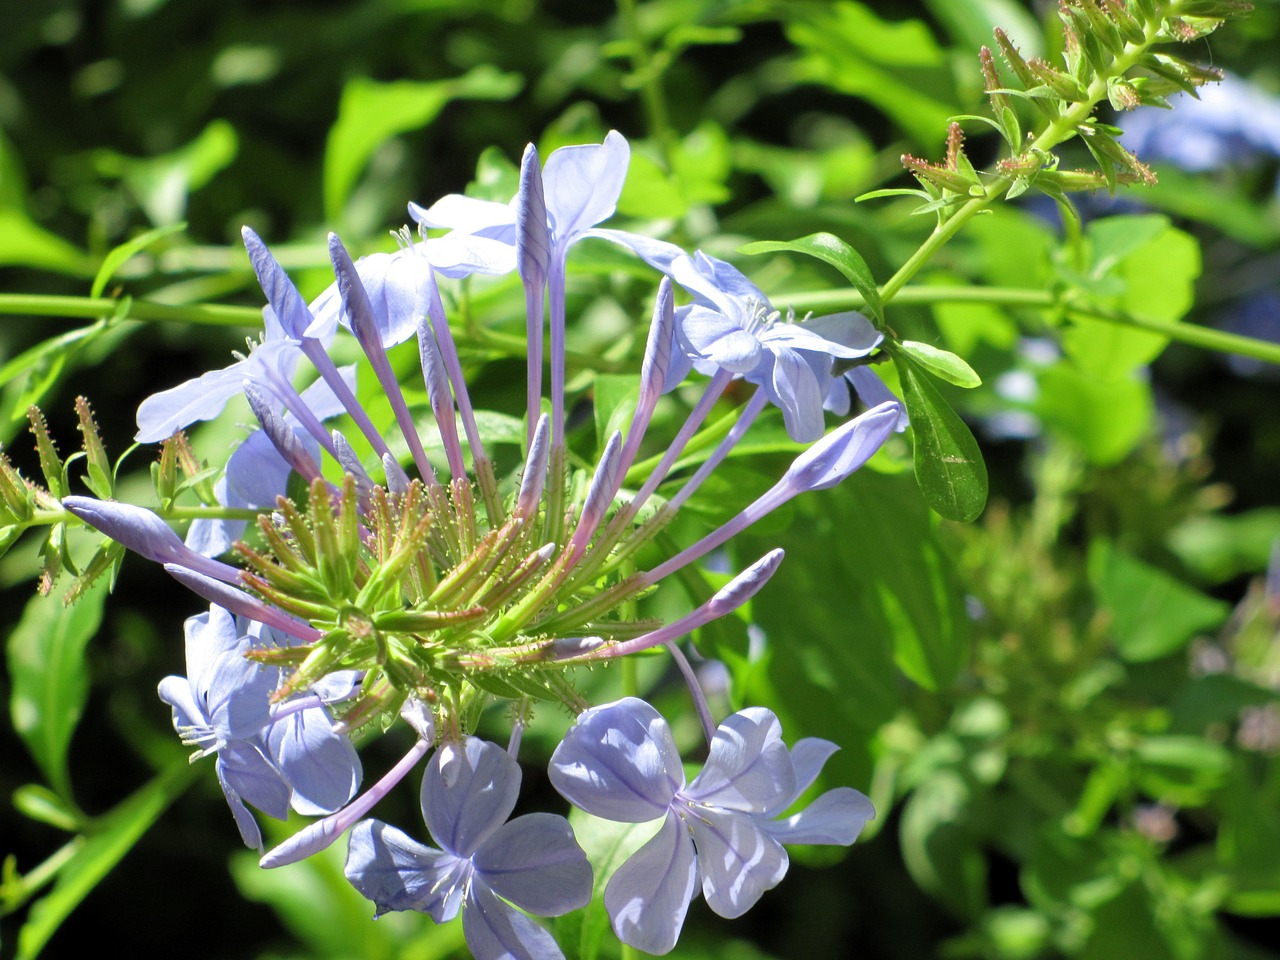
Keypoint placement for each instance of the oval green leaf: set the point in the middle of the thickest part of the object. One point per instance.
(949, 466)
(942, 364)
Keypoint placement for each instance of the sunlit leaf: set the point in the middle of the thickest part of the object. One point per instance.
(50, 682)
(949, 465)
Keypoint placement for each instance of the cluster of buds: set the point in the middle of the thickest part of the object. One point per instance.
(1108, 56)
(370, 590)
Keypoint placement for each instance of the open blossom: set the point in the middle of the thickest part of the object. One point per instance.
(482, 860)
(270, 759)
(733, 327)
(619, 762)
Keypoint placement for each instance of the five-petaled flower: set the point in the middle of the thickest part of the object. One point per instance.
(619, 762)
(468, 792)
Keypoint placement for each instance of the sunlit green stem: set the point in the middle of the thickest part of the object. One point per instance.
(40, 305)
(1187, 333)
(1061, 128)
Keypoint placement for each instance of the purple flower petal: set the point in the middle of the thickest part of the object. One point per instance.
(244, 768)
(809, 756)
(321, 766)
(738, 859)
(535, 862)
(794, 388)
(497, 931)
(163, 414)
(748, 767)
(836, 817)
(648, 896)
(582, 184)
(468, 791)
(619, 762)
(398, 873)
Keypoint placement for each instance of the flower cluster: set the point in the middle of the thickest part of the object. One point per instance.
(370, 589)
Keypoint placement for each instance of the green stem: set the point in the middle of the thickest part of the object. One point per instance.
(1061, 128)
(649, 78)
(41, 305)
(1188, 333)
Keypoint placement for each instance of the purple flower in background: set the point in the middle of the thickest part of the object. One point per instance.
(619, 762)
(468, 792)
(1231, 122)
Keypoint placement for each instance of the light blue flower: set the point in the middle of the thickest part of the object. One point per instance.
(733, 327)
(619, 762)
(483, 861)
(269, 757)
(221, 707)
(581, 186)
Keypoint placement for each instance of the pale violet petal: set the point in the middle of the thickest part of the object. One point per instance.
(321, 766)
(397, 873)
(457, 255)
(619, 762)
(721, 339)
(748, 766)
(850, 329)
(582, 184)
(872, 392)
(738, 860)
(657, 253)
(468, 791)
(794, 388)
(187, 712)
(163, 414)
(456, 211)
(808, 757)
(836, 817)
(243, 767)
(648, 896)
(535, 862)
(496, 931)
(245, 822)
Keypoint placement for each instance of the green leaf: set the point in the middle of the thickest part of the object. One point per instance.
(615, 396)
(895, 65)
(162, 184)
(25, 244)
(1181, 770)
(371, 113)
(50, 683)
(607, 845)
(1158, 279)
(118, 256)
(941, 363)
(939, 851)
(41, 804)
(949, 465)
(1107, 418)
(970, 22)
(1153, 614)
(114, 835)
(830, 249)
